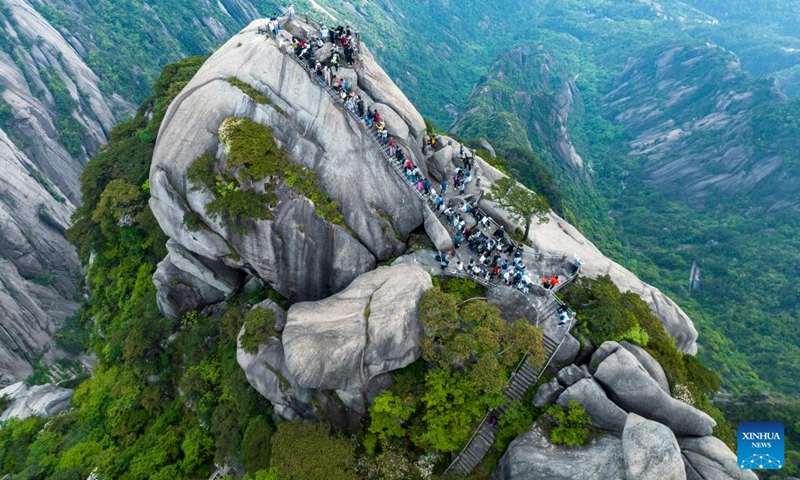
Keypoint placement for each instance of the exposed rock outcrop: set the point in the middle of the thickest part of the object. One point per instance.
(547, 393)
(185, 281)
(708, 458)
(298, 254)
(630, 386)
(39, 270)
(370, 328)
(603, 412)
(531, 455)
(570, 375)
(651, 451)
(344, 343)
(28, 400)
(558, 236)
(663, 100)
(649, 363)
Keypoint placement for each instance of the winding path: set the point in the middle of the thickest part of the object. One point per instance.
(525, 375)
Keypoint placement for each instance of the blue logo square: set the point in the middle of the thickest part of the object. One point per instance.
(760, 446)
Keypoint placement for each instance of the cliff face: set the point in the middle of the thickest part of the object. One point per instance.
(527, 100)
(53, 118)
(704, 130)
(299, 253)
(67, 76)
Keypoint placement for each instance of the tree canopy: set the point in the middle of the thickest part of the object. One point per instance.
(524, 205)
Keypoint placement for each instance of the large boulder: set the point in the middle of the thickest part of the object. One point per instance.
(603, 412)
(531, 455)
(570, 375)
(370, 328)
(568, 351)
(512, 303)
(708, 458)
(28, 400)
(185, 281)
(547, 393)
(441, 165)
(298, 253)
(651, 451)
(630, 386)
(437, 232)
(266, 372)
(649, 363)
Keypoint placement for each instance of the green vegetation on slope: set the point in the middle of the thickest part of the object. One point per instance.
(128, 420)
(254, 162)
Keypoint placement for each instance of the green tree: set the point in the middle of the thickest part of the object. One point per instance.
(524, 205)
(308, 452)
(256, 446)
(571, 425)
(452, 406)
(388, 413)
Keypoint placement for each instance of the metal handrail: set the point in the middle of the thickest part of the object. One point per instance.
(508, 385)
(489, 412)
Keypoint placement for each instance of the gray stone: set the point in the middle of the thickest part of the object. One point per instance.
(185, 281)
(531, 455)
(299, 255)
(28, 400)
(603, 412)
(651, 451)
(630, 386)
(512, 303)
(280, 314)
(559, 237)
(568, 351)
(488, 147)
(547, 393)
(708, 458)
(437, 232)
(266, 372)
(570, 375)
(649, 363)
(370, 328)
(441, 165)
(602, 352)
(32, 247)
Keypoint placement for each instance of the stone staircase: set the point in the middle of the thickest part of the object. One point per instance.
(523, 378)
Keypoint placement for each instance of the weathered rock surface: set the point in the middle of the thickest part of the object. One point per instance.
(370, 328)
(512, 303)
(651, 451)
(531, 455)
(185, 281)
(547, 393)
(568, 352)
(28, 400)
(266, 371)
(631, 387)
(558, 236)
(570, 375)
(39, 270)
(603, 412)
(661, 101)
(299, 255)
(708, 458)
(649, 363)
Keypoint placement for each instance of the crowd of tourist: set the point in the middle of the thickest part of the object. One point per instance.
(499, 258)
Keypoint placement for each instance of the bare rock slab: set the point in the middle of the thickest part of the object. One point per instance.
(531, 455)
(631, 387)
(371, 327)
(651, 451)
